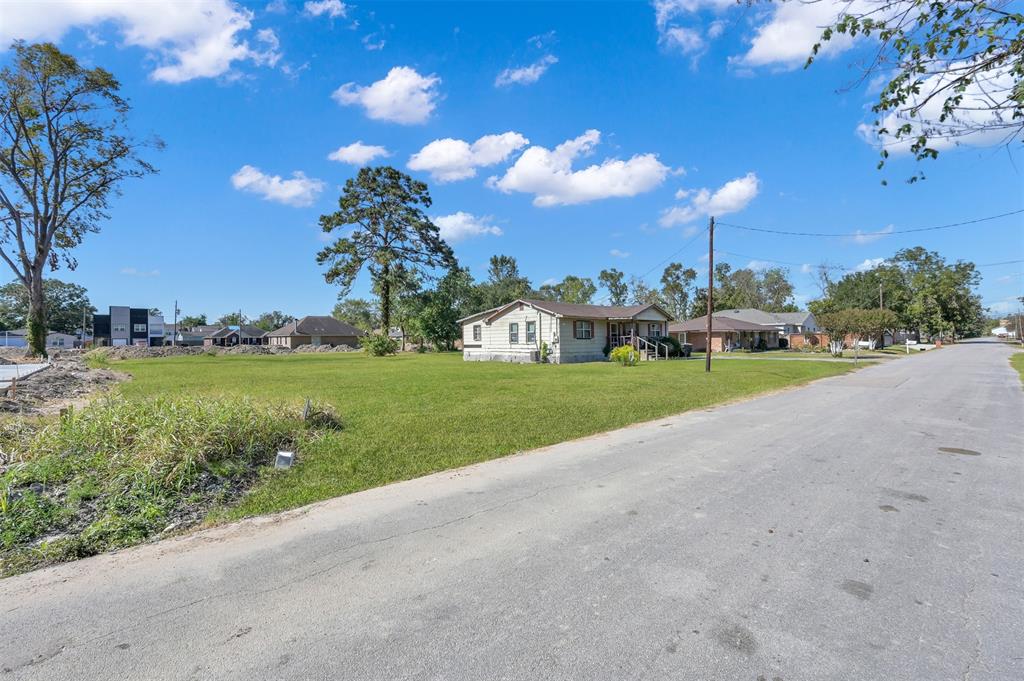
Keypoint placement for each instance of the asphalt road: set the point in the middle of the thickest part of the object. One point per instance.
(869, 526)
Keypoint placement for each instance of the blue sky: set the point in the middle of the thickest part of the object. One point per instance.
(665, 112)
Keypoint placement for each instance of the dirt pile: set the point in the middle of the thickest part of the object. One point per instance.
(326, 348)
(255, 350)
(142, 352)
(66, 380)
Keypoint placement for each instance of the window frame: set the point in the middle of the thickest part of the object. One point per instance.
(513, 333)
(588, 329)
(138, 328)
(477, 333)
(119, 327)
(531, 331)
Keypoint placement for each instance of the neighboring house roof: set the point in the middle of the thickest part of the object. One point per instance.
(574, 310)
(755, 316)
(245, 330)
(718, 324)
(314, 325)
(24, 332)
(203, 329)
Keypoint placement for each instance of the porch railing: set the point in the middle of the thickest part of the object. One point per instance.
(647, 347)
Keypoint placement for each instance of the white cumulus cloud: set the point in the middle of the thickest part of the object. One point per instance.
(731, 197)
(358, 154)
(548, 174)
(616, 253)
(786, 38)
(448, 160)
(403, 96)
(298, 190)
(868, 264)
(187, 39)
(524, 75)
(332, 8)
(974, 122)
(462, 225)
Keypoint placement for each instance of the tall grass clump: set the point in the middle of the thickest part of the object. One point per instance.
(120, 471)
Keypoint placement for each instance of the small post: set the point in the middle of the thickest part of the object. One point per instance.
(711, 289)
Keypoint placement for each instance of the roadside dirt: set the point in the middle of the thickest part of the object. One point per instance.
(66, 382)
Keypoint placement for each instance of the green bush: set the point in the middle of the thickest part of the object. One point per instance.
(674, 348)
(380, 344)
(118, 472)
(625, 355)
(545, 351)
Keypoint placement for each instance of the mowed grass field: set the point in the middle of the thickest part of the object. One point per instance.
(410, 415)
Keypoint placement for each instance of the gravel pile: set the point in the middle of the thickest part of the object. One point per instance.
(65, 380)
(326, 348)
(256, 350)
(137, 352)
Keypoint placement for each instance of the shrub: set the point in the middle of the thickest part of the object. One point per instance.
(674, 348)
(625, 355)
(380, 344)
(120, 471)
(545, 351)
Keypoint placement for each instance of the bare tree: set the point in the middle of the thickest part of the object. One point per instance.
(63, 153)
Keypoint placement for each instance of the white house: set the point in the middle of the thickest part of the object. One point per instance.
(516, 332)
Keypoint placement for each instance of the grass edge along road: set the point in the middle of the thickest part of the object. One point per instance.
(193, 438)
(412, 415)
(1017, 362)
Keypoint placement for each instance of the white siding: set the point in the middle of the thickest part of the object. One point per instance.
(557, 332)
(494, 342)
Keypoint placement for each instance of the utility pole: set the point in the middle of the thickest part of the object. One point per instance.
(174, 334)
(83, 326)
(880, 305)
(711, 290)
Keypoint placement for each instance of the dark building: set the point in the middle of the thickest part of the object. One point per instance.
(128, 326)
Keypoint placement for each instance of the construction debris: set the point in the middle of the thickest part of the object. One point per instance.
(68, 379)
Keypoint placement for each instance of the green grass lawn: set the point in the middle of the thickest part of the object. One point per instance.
(1017, 362)
(410, 415)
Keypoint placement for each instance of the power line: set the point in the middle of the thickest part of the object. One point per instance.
(670, 256)
(871, 234)
(995, 264)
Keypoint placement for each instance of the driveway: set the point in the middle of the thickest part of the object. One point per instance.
(868, 526)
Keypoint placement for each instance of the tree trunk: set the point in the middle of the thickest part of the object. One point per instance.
(385, 299)
(36, 317)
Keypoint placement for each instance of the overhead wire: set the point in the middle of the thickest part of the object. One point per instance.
(862, 235)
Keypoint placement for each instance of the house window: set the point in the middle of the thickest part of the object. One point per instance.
(513, 333)
(583, 330)
(120, 328)
(531, 332)
(140, 328)
(654, 330)
(476, 332)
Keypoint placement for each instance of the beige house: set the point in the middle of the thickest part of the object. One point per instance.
(315, 330)
(516, 332)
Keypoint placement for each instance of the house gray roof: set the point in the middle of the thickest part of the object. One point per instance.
(755, 316)
(314, 325)
(718, 324)
(246, 330)
(572, 310)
